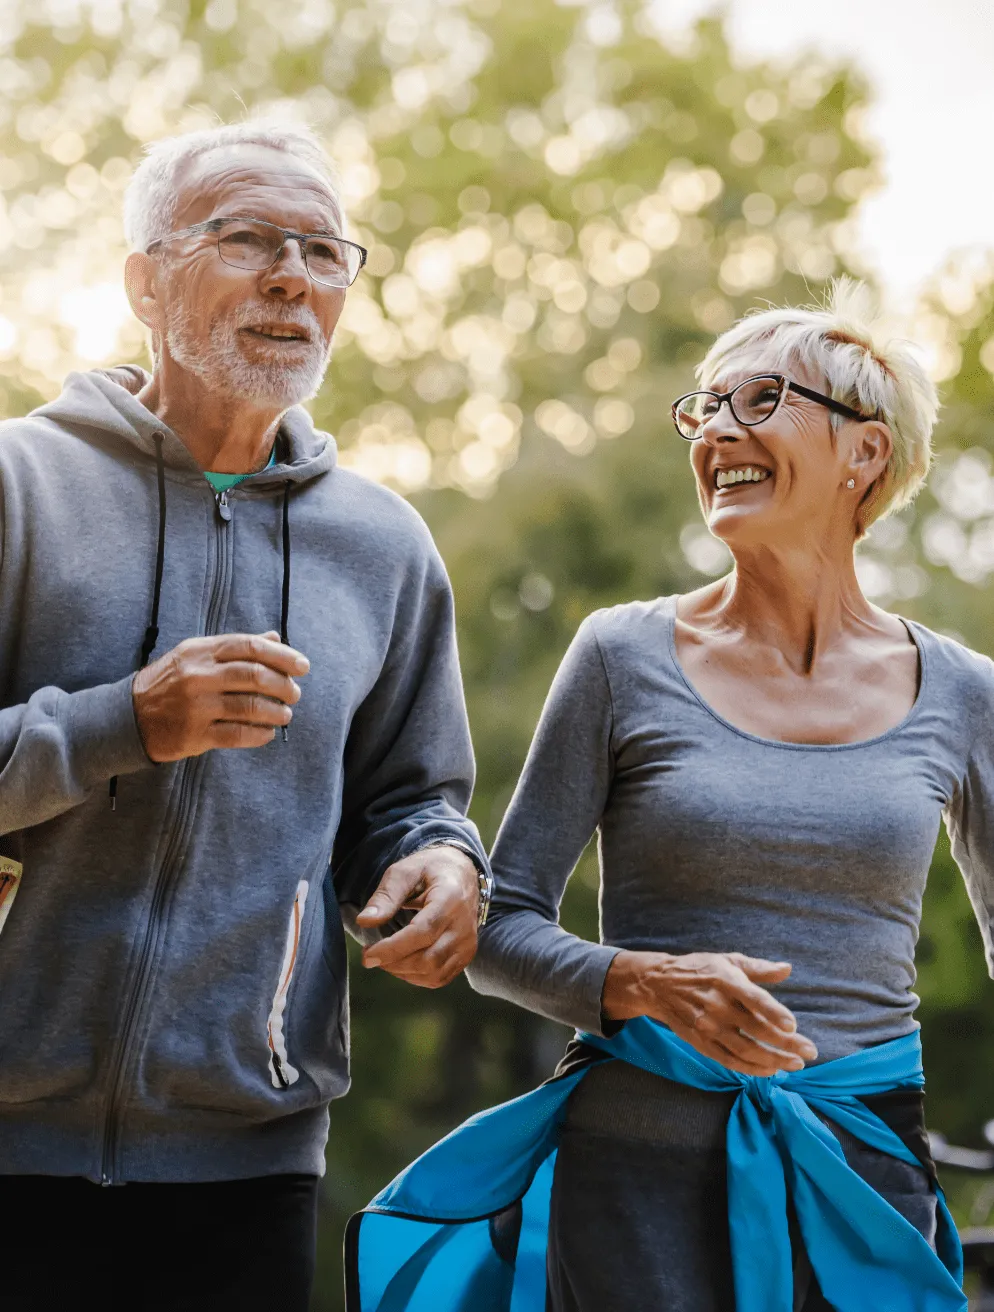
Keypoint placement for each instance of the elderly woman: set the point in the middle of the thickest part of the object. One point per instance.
(765, 762)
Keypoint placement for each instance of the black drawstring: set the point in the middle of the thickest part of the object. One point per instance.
(152, 632)
(285, 603)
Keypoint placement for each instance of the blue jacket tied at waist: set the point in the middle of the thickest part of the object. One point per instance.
(463, 1229)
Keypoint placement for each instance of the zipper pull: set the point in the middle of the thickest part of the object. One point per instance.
(278, 1068)
(223, 506)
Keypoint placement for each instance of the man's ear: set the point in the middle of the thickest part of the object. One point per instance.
(140, 285)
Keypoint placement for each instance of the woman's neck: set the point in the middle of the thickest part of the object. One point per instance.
(801, 603)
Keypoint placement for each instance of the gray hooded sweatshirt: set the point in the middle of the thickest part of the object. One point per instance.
(173, 997)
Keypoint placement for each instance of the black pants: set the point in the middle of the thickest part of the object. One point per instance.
(232, 1246)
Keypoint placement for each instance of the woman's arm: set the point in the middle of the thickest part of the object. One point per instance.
(524, 955)
(713, 1000)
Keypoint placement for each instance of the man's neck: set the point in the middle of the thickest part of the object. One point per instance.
(223, 434)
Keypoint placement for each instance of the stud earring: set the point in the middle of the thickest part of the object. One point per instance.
(851, 483)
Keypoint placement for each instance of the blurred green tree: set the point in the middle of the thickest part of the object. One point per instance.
(563, 204)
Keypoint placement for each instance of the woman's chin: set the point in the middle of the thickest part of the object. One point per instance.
(738, 522)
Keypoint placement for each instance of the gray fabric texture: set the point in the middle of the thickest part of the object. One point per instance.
(711, 839)
(143, 956)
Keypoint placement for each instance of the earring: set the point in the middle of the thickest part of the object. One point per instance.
(851, 483)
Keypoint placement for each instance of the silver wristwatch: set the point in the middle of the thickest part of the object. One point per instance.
(486, 883)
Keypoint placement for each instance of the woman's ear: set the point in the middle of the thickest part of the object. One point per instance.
(870, 453)
(139, 283)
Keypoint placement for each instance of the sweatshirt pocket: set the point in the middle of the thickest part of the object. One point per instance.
(281, 1072)
(10, 879)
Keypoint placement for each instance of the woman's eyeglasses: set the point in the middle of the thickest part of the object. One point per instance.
(752, 402)
(256, 245)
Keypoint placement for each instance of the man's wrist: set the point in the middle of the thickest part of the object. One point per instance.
(485, 880)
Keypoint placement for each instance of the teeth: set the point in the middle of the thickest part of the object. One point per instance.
(277, 332)
(727, 477)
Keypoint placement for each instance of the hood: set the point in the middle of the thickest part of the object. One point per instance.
(105, 401)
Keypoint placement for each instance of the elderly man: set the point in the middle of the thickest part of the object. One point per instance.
(190, 804)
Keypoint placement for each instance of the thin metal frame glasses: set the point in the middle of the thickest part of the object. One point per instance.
(343, 258)
(784, 385)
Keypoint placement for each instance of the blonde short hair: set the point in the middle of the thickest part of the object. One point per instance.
(840, 341)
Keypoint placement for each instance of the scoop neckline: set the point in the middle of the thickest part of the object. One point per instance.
(671, 617)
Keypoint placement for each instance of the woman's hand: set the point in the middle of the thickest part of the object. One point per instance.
(714, 1001)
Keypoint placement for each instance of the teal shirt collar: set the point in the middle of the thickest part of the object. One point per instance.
(225, 482)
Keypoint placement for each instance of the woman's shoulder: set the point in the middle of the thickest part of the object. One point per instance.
(630, 625)
(965, 675)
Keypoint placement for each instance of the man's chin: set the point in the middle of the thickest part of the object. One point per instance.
(274, 385)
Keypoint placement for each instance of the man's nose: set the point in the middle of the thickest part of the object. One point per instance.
(288, 276)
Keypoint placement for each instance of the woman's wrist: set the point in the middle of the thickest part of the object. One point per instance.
(625, 995)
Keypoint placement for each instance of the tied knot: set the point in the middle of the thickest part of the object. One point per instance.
(759, 1089)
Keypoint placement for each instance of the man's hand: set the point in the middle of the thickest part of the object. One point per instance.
(234, 690)
(441, 883)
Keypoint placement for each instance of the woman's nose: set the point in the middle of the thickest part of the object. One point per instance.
(722, 426)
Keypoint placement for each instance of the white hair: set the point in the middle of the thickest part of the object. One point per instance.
(153, 193)
(841, 342)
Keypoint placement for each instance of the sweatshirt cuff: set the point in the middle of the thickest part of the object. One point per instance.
(103, 732)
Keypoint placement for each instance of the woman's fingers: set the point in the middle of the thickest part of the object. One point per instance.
(762, 1005)
(761, 1032)
(746, 1058)
(714, 1019)
(759, 969)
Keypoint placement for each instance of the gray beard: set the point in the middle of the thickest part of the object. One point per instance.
(221, 365)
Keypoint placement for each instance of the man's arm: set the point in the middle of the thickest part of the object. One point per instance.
(57, 746)
(404, 838)
(226, 691)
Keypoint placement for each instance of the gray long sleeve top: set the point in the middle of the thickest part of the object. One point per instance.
(712, 839)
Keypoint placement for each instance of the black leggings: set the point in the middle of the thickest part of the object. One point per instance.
(231, 1246)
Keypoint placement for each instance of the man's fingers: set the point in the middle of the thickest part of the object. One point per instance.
(405, 949)
(262, 648)
(434, 972)
(423, 931)
(251, 676)
(435, 979)
(393, 890)
(224, 733)
(250, 708)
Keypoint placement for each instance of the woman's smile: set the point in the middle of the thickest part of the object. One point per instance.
(736, 477)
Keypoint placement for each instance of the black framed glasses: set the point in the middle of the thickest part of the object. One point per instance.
(752, 402)
(256, 245)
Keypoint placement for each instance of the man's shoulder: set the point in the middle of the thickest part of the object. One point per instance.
(382, 511)
(33, 438)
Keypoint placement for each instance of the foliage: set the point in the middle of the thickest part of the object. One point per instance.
(562, 207)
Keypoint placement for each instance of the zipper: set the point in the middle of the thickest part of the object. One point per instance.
(283, 1074)
(189, 774)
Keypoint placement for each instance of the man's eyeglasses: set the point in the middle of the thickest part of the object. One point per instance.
(257, 245)
(752, 402)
